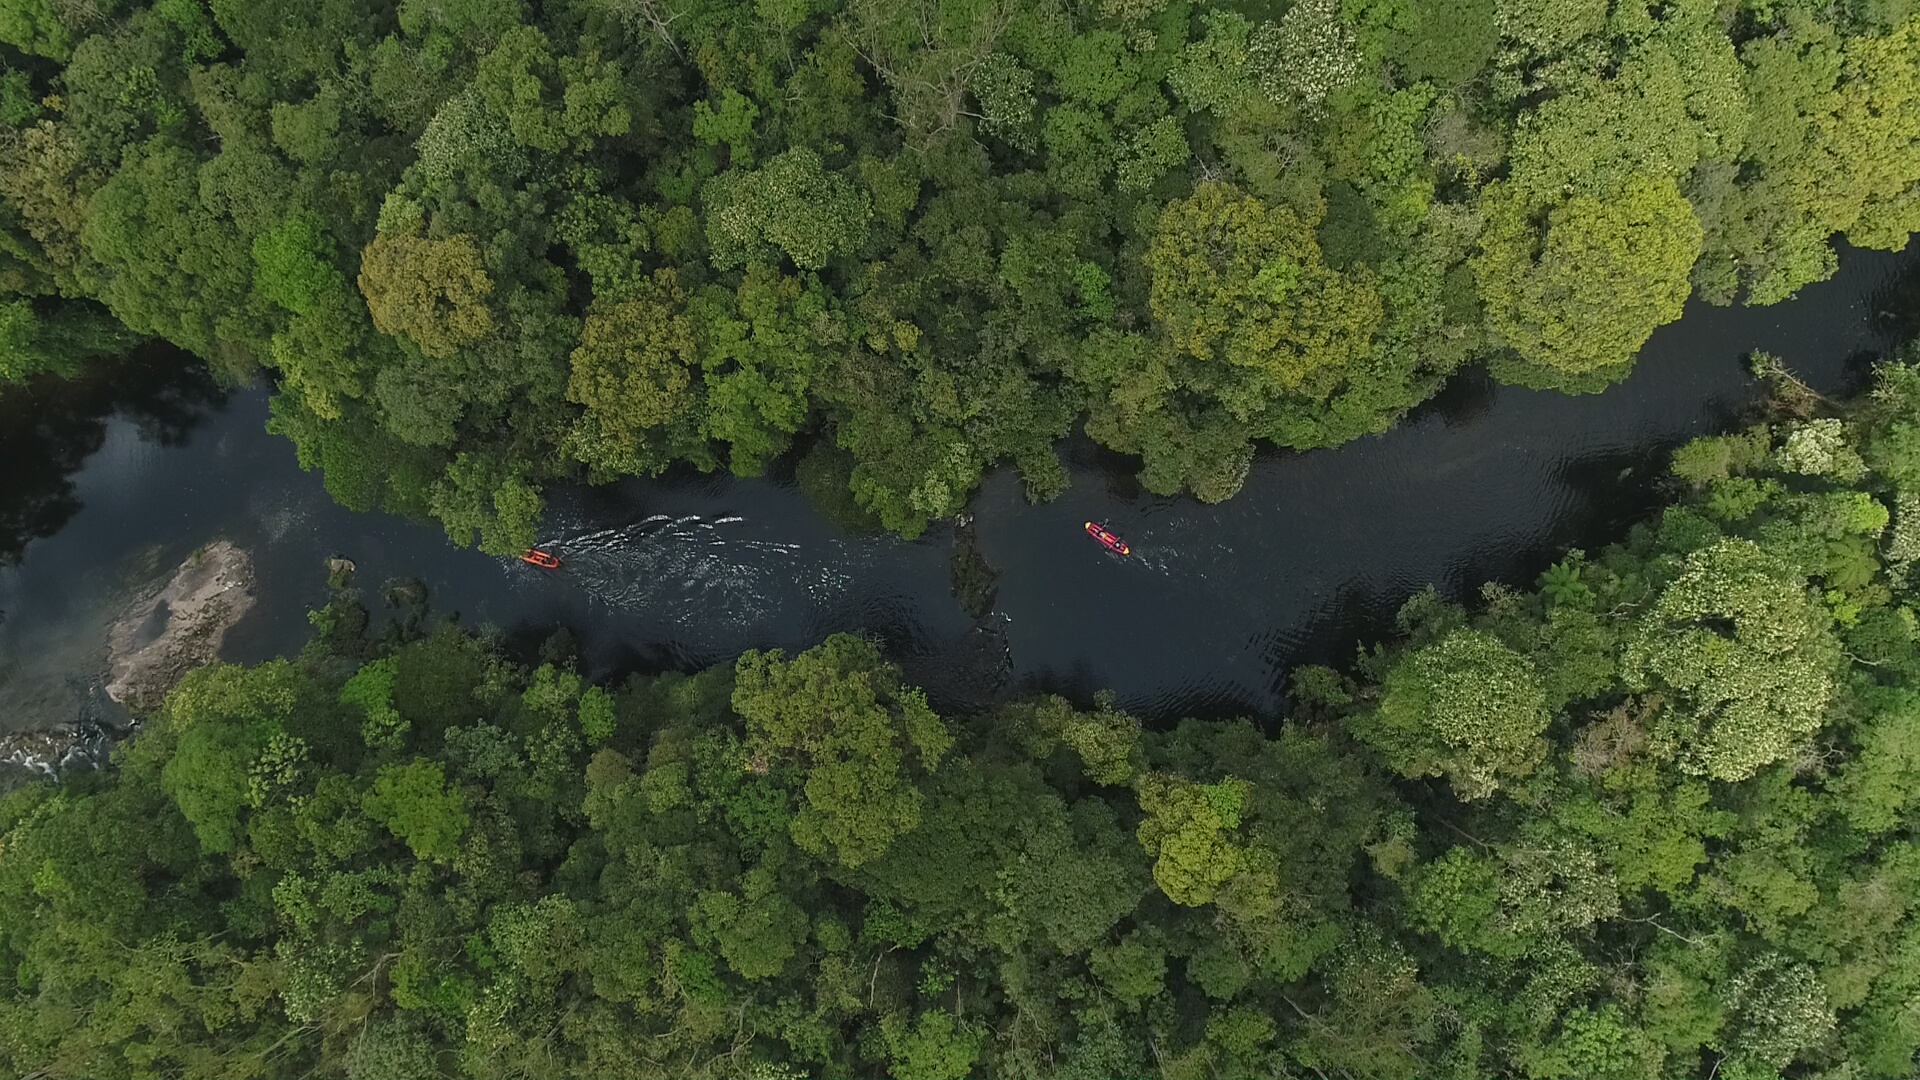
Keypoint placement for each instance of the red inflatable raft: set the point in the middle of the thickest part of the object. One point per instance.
(1108, 540)
(543, 559)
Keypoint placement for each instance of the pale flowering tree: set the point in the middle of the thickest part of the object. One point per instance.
(1775, 1009)
(1307, 56)
(1819, 448)
(1468, 707)
(1743, 656)
(463, 134)
(1903, 542)
(1004, 90)
(791, 206)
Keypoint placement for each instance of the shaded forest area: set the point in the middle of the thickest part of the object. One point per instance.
(1658, 816)
(484, 245)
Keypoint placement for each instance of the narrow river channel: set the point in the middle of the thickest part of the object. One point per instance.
(113, 481)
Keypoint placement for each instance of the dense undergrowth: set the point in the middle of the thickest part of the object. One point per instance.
(1655, 817)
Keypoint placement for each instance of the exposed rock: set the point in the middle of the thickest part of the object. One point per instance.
(28, 754)
(340, 571)
(158, 640)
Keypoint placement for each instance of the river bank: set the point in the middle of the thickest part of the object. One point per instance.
(1216, 606)
(181, 626)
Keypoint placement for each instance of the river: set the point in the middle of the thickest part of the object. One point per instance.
(112, 480)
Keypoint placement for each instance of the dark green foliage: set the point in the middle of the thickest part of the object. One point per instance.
(1678, 837)
(36, 338)
(488, 245)
(823, 474)
(1446, 42)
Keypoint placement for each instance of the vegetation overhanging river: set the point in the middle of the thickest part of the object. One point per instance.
(112, 481)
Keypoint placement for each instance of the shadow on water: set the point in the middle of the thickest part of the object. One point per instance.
(1467, 397)
(1608, 494)
(115, 478)
(50, 426)
(1485, 482)
(1896, 306)
(1086, 459)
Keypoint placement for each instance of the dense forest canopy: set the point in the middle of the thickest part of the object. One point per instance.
(1658, 816)
(483, 245)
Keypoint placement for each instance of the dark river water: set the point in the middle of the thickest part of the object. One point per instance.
(110, 482)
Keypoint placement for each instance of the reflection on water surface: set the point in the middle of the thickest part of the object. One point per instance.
(112, 481)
